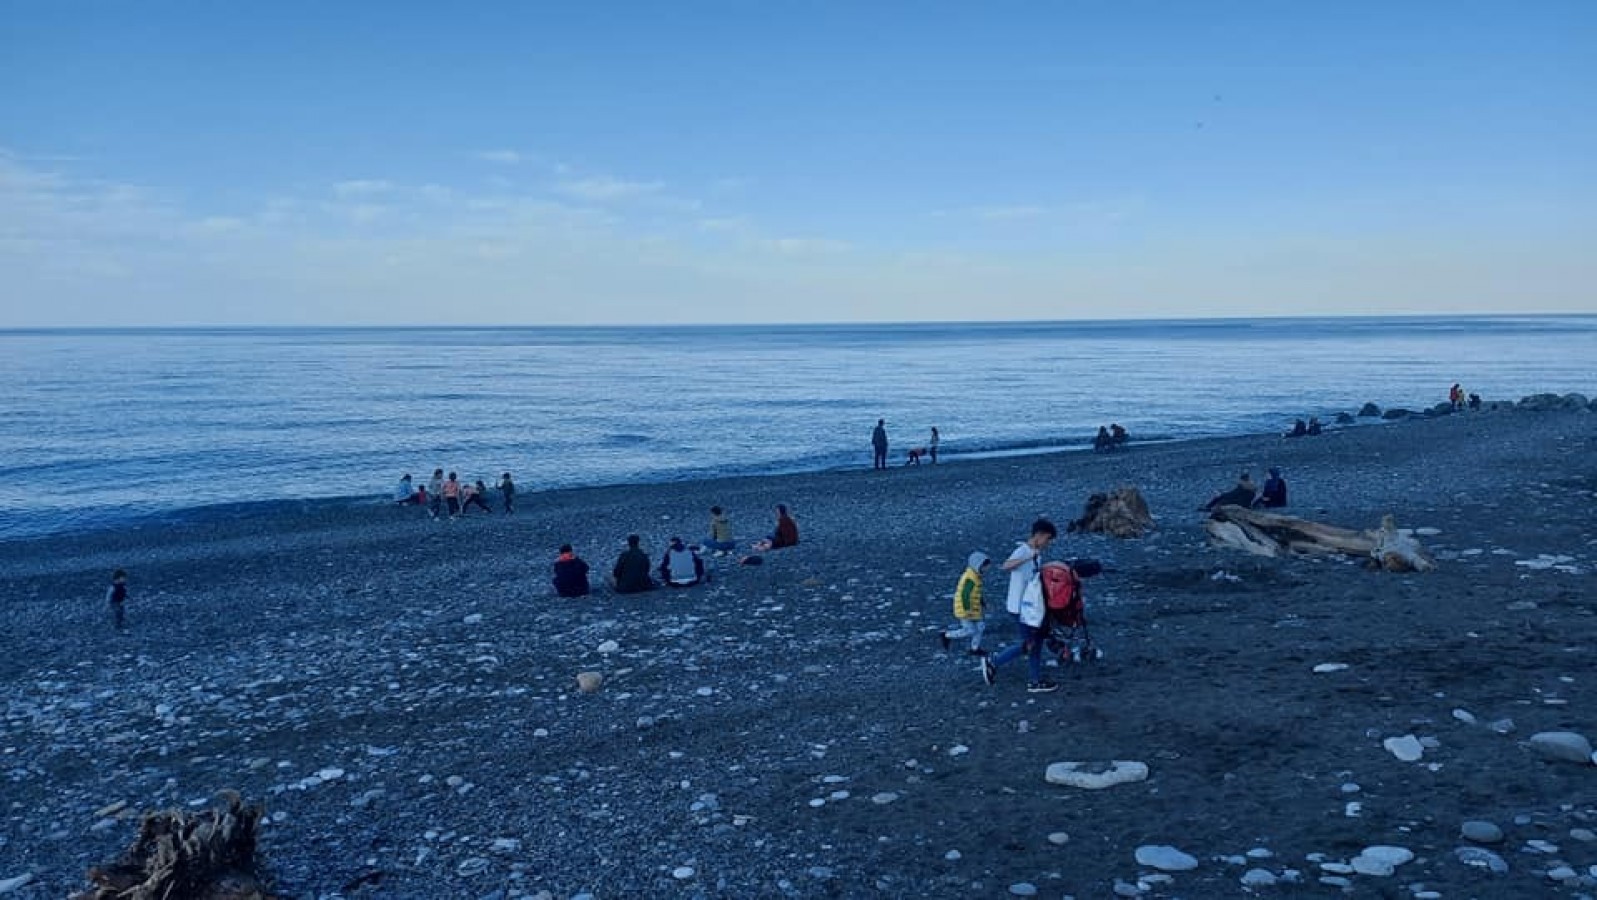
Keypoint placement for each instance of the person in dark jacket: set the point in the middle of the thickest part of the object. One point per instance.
(117, 596)
(1241, 495)
(879, 444)
(785, 535)
(1274, 495)
(681, 566)
(507, 493)
(631, 571)
(571, 574)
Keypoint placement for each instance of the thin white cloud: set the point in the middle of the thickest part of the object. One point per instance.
(1010, 213)
(502, 157)
(604, 189)
(362, 188)
(803, 246)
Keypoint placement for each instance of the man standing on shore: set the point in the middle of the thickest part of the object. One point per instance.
(879, 444)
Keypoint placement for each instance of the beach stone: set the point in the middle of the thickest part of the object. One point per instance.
(1344, 418)
(884, 798)
(1059, 838)
(16, 883)
(952, 856)
(1584, 835)
(1502, 726)
(506, 845)
(1023, 889)
(1369, 411)
(1336, 881)
(1562, 745)
(589, 682)
(1406, 748)
(609, 647)
(1165, 858)
(1258, 878)
(1394, 414)
(1465, 716)
(1327, 668)
(1123, 889)
(1380, 860)
(1562, 873)
(475, 865)
(682, 873)
(1096, 776)
(473, 619)
(1481, 832)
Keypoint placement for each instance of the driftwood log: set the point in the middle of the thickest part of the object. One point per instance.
(208, 855)
(1122, 512)
(1272, 534)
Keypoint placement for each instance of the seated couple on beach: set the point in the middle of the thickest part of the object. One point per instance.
(1248, 496)
(1309, 429)
(1111, 438)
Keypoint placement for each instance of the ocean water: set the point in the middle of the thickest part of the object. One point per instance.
(103, 427)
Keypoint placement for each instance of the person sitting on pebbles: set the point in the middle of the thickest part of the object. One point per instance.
(1241, 495)
(681, 566)
(631, 572)
(571, 574)
(785, 535)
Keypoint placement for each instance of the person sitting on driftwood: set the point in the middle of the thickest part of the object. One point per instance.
(1299, 429)
(1241, 495)
(1274, 494)
(1315, 428)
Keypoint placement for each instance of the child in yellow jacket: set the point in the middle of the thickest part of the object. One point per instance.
(967, 606)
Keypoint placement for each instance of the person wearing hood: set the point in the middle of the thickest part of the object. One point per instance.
(681, 566)
(405, 493)
(571, 574)
(631, 572)
(967, 606)
(1274, 495)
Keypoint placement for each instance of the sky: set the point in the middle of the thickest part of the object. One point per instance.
(299, 163)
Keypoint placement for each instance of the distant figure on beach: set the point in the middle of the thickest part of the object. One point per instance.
(117, 596)
(405, 492)
(720, 540)
(1455, 396)
(631, 572)
(507, 493)
(571, 574)
(785, 535)
(1299, 429)
(1102, 442)
(1024, 566)
(967, 606)
(452, 495)
(1315, 428)
(1242, 495)
(435, 493)
(915, 454)
(476, 494)
(1117, 435)
(932, 446)
(879, 444)
(1474, 401)
(681, 567)
(1274, 494)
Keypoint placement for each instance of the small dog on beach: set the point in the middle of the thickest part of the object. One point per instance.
(915, 453)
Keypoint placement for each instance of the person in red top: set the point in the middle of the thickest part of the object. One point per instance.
(786, 534)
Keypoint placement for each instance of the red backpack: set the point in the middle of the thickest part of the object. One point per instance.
(1062, 589)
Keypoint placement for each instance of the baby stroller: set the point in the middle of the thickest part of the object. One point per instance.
(1066, 622)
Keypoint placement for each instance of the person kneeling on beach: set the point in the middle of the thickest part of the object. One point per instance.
(571, 574)
(967, 606)
(785, 535)
(631, 572)
(681, 567)
(1027, 606)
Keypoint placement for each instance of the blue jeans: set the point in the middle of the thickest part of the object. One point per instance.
(1031, 643)
(723, 546)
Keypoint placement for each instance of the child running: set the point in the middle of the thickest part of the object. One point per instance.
(1024, 565)
(967, 606)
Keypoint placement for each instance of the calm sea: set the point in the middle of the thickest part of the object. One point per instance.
(102, 427)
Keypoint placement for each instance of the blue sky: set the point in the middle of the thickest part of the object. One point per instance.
(288, 163)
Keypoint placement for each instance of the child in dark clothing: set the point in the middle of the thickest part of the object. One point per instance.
(117, 596)
(507, 491)
(571, 574)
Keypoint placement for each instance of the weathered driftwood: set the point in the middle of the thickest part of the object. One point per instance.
(1122, 512)
(208, 855)
(1271, 534)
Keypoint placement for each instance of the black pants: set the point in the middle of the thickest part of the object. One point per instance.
(119, 615)
(880, 459)
(476, 500)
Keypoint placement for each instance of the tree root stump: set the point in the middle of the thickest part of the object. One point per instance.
(177, 855)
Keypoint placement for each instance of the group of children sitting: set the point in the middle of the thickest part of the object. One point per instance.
(680, 566)
(448, 494)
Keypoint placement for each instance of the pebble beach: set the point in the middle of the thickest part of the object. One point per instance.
(401, 694)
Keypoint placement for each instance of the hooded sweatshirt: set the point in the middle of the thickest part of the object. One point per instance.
(681, 565)
(967, 595)
(571, 576)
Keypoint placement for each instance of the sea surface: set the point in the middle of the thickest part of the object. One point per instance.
(101, 428)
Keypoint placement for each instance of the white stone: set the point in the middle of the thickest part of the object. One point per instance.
(1465, 716)
(1482, 858)
(1260, 853)
(1122, 889)
(1562, 745)
(1059, 838)
(473, 619)
(609, 647)
(682, 873)
(476, 865)
(705, 692)
(1165, 858)
(507, 845)
(1380, 859)
(884, 798)
(1562, 873)
(1406, 748)
(1582, 834)
(1327, 668)
(1023, 889)
(1073, 774)
(817, 803)
(16, 883)
(330, 774)
(952, 856)
(958, 750)
(1337, 868)
(1542, 846)
(1353, 809)
(1335, 881)
(1258, 878)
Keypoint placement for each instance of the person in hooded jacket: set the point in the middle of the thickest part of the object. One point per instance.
(631, 572)
(1274, 494)
(967, 606)
(681, 566)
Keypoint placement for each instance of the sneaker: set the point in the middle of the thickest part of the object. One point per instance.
(946, 642)
(989, 672)
(1042, 687)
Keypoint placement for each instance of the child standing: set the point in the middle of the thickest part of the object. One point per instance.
(1024, 565)
(117, 596)
(507, 491)
(967, 606)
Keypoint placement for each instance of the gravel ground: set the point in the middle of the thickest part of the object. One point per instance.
(401, 694)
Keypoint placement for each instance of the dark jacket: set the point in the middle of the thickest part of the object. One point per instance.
(1241, 495)
(1274, 493)
(879, 438)
(632, 572)
(571, 577)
